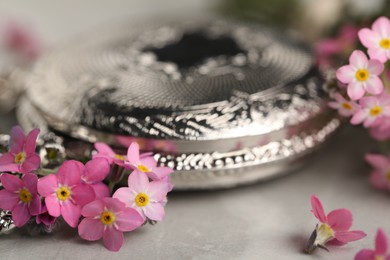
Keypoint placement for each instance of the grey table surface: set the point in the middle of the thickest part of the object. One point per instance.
(269, 220)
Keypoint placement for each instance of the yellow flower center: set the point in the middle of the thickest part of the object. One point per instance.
(20, 157)
(362, 75)
(143, 168)
(388, 176)
(347, 106)
(141, 200)
(120, 157)
(385, 43)
(107, 217)
(375, 111)
(63, 193)
(25, 195)
(379, 257)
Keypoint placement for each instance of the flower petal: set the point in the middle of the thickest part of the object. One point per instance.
(154, 211)
(369, 38)
(47, 185)
(113, 239)
(149, 162)
(125, 195)
(35, 206)
(104, 149)
(375, 67)
(374, 85)
(101, 190)
(355, 90)
(159, 173)
(377, 54)
(52, 205)
(96, 170)
(31, 141)
(8, 200)
(70, 173)
(346, 74)
(381, 242)
(340, 219)
(348, 236)
(382, 26)
(128, 220)
(358, 117)
(157, 190)
(83, 194)
(93, 209)
(317, 209)
(91, 229)
(365, 254)
(32, 163)
(378, 180)
(133, 153)
(7, 158)
(71, 213)
(11, 182)
(20, 215)
(17, 140)
(30, 181)
(378, 161)
(358, 59)
(138, 181)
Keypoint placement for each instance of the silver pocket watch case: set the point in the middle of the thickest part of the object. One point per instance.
(223, 103)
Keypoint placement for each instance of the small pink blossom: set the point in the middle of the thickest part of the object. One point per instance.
(380, 252)
(145, 164)
(333, 227)
(20, 196)
(377, 40)
(108, 218)
(105, 151)
(65, 193)
(44, 217)
(93, 174)
(144, 196)
(361, 75)
(21, 157)
(380, 176)
(371, 110)
(345, 107)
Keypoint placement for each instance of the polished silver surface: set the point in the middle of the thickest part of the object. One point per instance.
(214, 99)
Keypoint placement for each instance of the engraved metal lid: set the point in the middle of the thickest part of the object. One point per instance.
(208, 96)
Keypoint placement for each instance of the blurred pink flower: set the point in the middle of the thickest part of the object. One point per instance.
(65, 193)
(93, 174)
(361, 75)
(345, 107)
(20, 196)
(380, 176)
(105, 151)
(371, 110)
(381, 130)
(144, 196)
(380, 251)
(344, 42)
(108, 218)
(21, 157)
(333, 227)
(145, 164)
(377, 40)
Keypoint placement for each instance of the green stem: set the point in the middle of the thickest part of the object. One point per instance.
(111, 186)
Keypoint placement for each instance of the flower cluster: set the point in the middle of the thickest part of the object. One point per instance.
(84, 196)
(363, 94)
